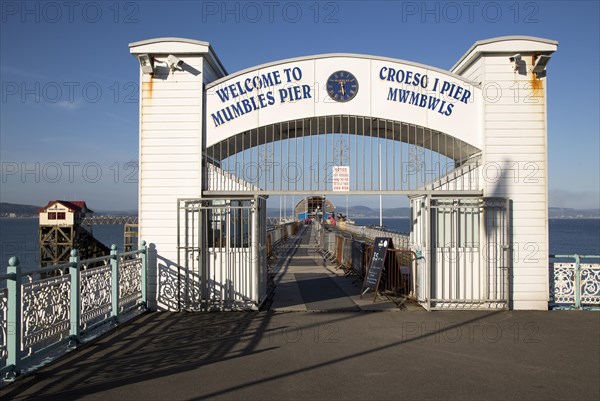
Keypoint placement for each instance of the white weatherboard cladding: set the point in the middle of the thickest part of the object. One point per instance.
(515, 153)
(370, 101)
(515, 166)
(170, 143)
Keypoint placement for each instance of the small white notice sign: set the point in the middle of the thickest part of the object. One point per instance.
(341, 178)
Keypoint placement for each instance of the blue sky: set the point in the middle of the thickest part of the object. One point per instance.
(69, 111)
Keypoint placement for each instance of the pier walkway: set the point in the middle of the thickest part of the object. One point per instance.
(306, 282)
(293, 353)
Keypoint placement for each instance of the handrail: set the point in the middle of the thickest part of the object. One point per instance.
(575, 256)
(90, 297)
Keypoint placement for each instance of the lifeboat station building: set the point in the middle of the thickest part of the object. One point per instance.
(467, 146)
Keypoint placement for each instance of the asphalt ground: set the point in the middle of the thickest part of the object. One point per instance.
(450, 355)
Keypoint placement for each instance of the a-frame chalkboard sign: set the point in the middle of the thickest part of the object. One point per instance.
(373, 277)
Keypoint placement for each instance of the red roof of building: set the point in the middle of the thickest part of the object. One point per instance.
(74, 206)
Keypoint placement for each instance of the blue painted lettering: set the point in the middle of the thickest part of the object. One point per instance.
(306, 92)
(217, 118)
(237, 110)
(223, 94)
(392, 94)
(247, 106)
(466, 96)
(449, 109)
(433, 102)
(403, 77)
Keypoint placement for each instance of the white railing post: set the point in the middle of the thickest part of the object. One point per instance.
(75, 301)
(115, 283)
(577, 275)
(151, 277)
(13, 319)
(144, 273)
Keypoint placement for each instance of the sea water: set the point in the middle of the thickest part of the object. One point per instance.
(19, 237)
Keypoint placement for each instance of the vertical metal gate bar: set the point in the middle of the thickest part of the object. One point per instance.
(295, 156)
(251, 250)
(421, 163)
(402, 147)
(440, 157)
(318, 155)
(506, 243)
(221, 162)
(192, 266)
(325, 152)
(184, 277)
(207, 247)
(235, 145)
(496, 252)
(371, 158)
(243, 152)
(303, 164)
(349, 160)
(410, 160)
(272, 151)
(385, 147)
(288, 142)
(394, 144)
(475, 246)
(280, 186)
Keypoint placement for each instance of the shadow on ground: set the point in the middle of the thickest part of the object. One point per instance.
(360, 355)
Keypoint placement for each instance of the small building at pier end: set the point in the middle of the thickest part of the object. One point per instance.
(62, 228)
(470, 155)
(314, 208)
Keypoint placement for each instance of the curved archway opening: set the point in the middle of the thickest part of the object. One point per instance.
(336, 154)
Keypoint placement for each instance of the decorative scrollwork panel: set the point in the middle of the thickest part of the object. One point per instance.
(590, 284)
(562, 284)
(169, 286)
(3, 316)
(96, 295)
(46, 310)
(130, 285)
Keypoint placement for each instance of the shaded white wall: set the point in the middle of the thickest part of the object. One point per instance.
(514, 162)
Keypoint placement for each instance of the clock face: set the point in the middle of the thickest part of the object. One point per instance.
(342, 86)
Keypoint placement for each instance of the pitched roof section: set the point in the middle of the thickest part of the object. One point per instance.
(74, 206)
(513, 44)
(170, 45)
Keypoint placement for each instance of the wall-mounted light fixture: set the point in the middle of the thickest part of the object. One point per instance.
(540, 64)
(147, 63)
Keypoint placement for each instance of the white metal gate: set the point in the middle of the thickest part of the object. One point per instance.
(221, 246)
(464, 253)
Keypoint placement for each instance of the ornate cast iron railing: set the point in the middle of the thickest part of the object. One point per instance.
(60, 304)
(574, 285)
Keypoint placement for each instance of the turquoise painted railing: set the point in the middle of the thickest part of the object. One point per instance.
(58, 305)
(574, 285)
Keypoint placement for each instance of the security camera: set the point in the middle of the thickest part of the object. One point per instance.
(515, 58)
(146, 63)
(518, 62)
(174, 62)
